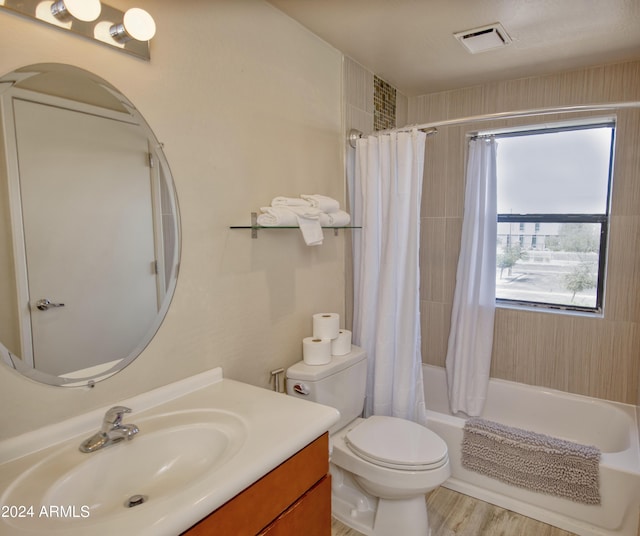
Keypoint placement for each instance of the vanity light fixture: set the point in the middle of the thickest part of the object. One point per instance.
(84, 10)
(128, 31)
(136, 24)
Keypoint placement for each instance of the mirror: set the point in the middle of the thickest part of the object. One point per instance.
(89, 227)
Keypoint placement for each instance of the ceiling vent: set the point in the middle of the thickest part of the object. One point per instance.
(485, 38)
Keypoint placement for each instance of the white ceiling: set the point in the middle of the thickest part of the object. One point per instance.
(410, 43)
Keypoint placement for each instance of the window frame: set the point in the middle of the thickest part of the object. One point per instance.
(602, 219)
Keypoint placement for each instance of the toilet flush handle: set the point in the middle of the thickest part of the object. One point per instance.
(301, 389)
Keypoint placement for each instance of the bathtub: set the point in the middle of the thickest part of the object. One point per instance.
(608, 425)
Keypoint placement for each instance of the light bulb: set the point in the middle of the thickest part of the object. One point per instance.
(84, 10)
(136, 24)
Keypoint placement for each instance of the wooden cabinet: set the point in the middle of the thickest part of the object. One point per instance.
(294, 498)
(310, 515)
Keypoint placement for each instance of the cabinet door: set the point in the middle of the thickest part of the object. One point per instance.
(309, 516)
(263, 502)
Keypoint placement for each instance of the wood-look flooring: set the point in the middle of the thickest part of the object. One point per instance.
(455, 514)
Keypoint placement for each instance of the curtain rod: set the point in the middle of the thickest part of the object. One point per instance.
(430, 128)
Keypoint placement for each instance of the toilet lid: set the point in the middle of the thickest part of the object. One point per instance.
(397, 443)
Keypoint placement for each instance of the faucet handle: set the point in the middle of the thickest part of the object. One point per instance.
(113, 417)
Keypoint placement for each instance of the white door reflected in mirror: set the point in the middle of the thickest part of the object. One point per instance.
(89, 227)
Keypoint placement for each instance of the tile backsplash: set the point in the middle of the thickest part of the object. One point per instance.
(384, 101)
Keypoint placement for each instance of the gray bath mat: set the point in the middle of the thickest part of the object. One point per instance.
(533, 461)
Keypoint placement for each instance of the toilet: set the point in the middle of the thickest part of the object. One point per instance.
(381, 467)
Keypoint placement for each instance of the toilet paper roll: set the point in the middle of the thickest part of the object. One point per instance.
(316, 351)
(326, 325)
(342, 344)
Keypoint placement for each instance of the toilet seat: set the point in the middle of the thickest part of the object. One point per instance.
(397, 444)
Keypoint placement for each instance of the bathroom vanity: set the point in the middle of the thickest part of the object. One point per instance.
(212, 456)
(294, 498)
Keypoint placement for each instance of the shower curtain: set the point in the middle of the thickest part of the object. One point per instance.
(387, 191)
(471, 337)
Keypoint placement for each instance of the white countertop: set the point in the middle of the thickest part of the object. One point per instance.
(277, 427)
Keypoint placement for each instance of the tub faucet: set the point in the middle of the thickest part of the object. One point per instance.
(112, 431)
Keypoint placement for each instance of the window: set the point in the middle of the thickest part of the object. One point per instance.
(553, 188)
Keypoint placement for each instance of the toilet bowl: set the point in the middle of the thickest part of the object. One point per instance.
(381, 467)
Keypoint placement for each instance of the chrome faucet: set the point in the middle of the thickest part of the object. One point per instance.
(112, 431)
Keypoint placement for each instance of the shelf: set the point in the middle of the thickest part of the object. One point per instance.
(255, 227)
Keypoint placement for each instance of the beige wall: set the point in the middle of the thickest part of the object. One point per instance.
(248, 105)
(358, 97)
(598, 357)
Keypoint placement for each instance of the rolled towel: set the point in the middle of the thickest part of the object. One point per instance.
(281, 201)
(324, 203)
(277, 217)
(307, 218)
(335, 219)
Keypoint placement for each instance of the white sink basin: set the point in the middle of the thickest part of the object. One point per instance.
(202, 440)
(170, 453)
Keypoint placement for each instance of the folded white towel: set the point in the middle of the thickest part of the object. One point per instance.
(307, 218)
(310, 227)
(289, 202)
(335, 219)
(324, 203)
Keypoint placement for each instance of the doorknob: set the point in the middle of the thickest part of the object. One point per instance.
(44, 304)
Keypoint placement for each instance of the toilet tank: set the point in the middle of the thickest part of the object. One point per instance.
(340, 384)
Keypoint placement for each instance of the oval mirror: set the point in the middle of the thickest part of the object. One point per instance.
(89, 227)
